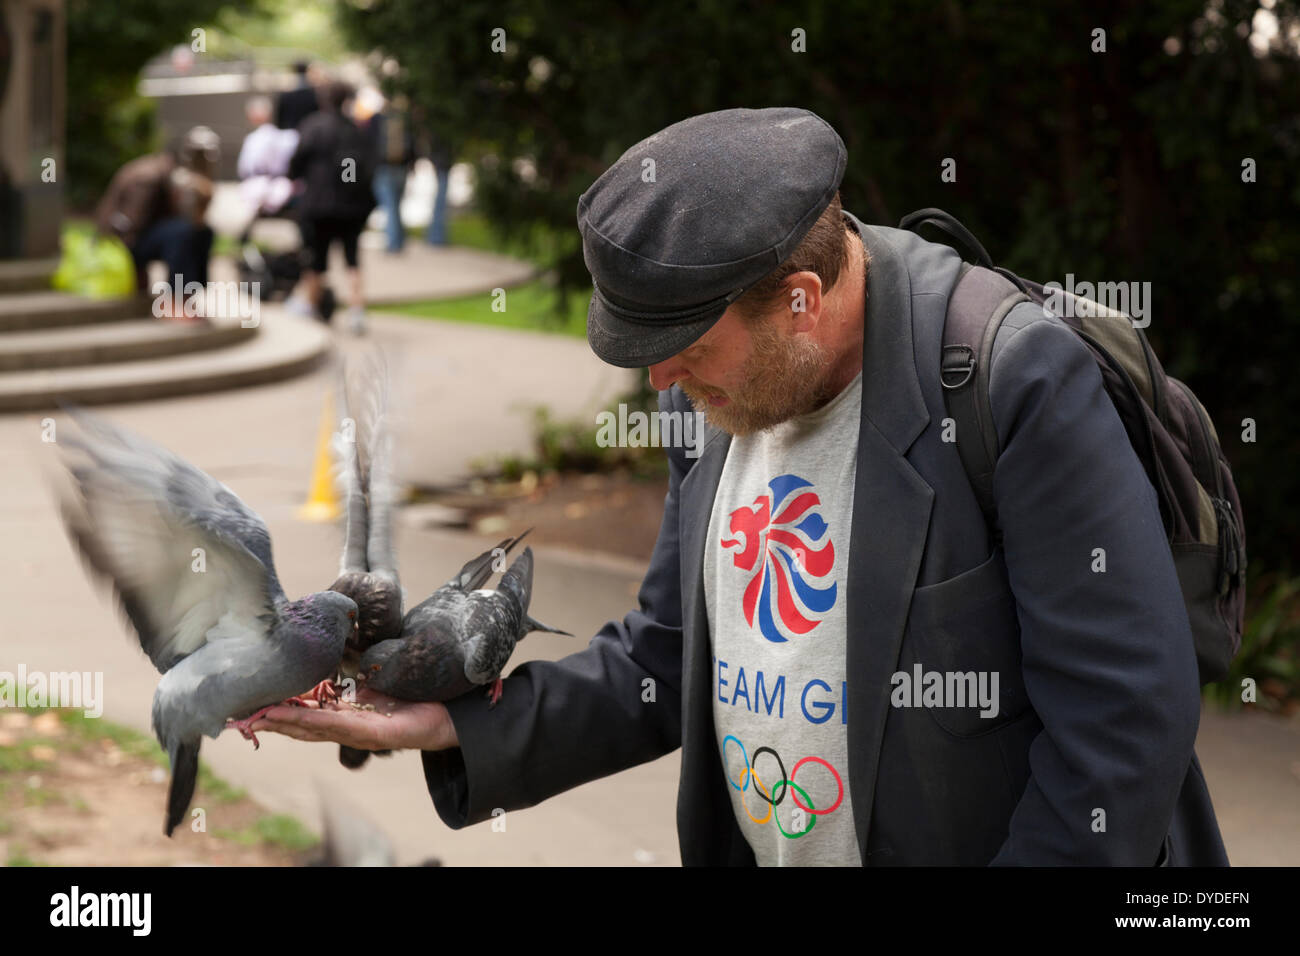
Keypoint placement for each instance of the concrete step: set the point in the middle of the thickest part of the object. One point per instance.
(115, 342)
(26, 275)
(285, 345)
(47, 309)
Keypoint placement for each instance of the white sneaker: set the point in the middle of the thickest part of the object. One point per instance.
(297, 305)
(357, 320)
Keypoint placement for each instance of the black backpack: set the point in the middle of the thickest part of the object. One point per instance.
(349, 145)
(1166, 425)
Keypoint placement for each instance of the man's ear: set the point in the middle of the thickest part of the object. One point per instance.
(805, 300)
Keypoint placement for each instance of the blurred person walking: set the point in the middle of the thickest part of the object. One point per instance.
(297, 104)
(441, 154)
(335, 160)
(395, 152)
(263, 163)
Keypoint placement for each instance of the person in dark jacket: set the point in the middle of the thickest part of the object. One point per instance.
(297, 104)
(857, 668)
(335, 159)
(156, 205)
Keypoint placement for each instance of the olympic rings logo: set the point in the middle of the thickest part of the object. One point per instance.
(784, 787)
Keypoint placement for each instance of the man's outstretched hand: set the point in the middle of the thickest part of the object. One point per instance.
(392, 724)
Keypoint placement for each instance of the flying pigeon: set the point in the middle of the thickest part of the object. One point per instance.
(191, 566)
(368, 567)
(461, 636)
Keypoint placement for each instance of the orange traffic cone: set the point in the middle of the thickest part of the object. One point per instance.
(322, 503)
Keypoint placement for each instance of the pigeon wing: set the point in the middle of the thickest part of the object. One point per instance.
(351, 483)
(374, 434)
(477, 570)
(188, 560)
(493, 625)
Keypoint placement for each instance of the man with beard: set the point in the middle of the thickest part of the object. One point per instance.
(857, 668)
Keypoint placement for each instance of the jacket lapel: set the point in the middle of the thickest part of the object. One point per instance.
(706, 828)
(891, 516)
(695, 506)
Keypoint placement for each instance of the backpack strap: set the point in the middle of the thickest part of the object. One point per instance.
(960, 238)
(980, 301)
(955, 234)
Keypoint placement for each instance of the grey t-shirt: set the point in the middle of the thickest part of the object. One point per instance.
(775, 584)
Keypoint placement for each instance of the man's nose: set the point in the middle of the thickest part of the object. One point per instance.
(664, 374)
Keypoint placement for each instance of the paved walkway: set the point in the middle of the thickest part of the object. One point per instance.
(461, 393)
(420, 271)
(456, 406)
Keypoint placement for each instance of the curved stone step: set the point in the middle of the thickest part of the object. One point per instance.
(115, 342)
(25, 275)
(285, 345)
(48, 309)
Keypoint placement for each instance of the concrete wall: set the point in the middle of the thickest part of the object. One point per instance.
(214, 99)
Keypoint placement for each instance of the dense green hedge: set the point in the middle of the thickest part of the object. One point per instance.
(1123, 165)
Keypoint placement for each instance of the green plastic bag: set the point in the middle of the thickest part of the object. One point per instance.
(98, 267)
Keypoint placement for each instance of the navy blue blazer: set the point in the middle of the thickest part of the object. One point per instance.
(1099, 696)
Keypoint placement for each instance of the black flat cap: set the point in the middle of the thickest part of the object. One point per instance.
(732, 195)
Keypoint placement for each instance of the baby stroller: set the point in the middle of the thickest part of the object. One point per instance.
(263, 171)
(276, 273)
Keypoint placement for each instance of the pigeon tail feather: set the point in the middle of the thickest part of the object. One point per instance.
(532, 624)
(185, 772)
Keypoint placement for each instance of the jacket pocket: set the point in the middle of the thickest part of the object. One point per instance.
(967, 632)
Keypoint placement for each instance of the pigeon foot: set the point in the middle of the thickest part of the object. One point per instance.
(322, 693)
(494, 693)
(245, 726)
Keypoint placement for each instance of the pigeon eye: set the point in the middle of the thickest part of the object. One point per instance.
(352, 615)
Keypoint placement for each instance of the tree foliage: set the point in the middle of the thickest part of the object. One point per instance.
(1123, 165)
(108, 44)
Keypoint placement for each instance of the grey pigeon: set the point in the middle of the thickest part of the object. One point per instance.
(368, 569)
(191, 565)
(461, 636)
(350, 838)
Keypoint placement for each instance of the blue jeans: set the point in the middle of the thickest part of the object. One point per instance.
(390, 183)
(437, 234)
(178, 242)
